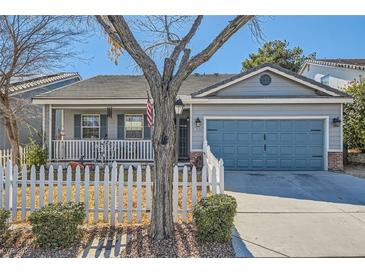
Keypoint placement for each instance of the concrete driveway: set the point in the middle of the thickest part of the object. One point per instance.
(299, 214)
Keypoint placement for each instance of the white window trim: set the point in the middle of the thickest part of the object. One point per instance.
(324, 118)
(82, 126)
(125, 132)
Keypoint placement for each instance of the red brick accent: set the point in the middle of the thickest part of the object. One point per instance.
(335, 161)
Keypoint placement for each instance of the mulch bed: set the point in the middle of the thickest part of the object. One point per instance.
(184, 244)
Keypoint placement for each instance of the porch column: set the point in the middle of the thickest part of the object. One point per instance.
(43, 126)
(177, 138)
(50, 134)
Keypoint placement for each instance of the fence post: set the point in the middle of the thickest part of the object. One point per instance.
(221, 176)
(7, 185)
(120, 194)
(139, 194)
(15, 192)
(175, 193)
(113, 193)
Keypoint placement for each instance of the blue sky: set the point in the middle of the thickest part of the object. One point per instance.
(328, 36)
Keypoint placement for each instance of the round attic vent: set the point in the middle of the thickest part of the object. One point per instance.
(265, 79)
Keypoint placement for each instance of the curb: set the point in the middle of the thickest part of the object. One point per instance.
(240, 249)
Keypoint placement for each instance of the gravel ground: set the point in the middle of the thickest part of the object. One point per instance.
(184, 244)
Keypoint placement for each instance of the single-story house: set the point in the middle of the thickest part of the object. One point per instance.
(25, 88)
(336, 73)
(267, 118)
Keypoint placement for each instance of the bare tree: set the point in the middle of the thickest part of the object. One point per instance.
(28, 45)
(164, 86)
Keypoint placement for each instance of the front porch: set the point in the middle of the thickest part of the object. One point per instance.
(101, 134)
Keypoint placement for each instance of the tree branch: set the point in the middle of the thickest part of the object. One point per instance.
(185, 70)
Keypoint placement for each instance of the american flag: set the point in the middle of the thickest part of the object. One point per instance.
(149, 113)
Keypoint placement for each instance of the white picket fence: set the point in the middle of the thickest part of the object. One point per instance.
(5, 155)
(121, 195)
(212, 162)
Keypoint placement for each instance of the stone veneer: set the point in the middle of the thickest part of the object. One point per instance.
(335, 160)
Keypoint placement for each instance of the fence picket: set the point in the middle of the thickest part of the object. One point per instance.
(50, 184)
(112, 195)
(106, 193)
(148, 189)
(204, 182)
(130, 189)
(193, 186)
(59, 184)
(41, 187)
(78, 184)
(7, 185)
(185, 193)
(120, 194)
(139, 193)
(175, 193)
(15, 192)
(32, 188)
(68, 183)
(1, 183)
(214, 180)
(86, 192)
(221, 176)
(96, 195)
(24, 192)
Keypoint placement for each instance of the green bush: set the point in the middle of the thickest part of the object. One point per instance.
(213, 218)
(56, 226)
(36, 154)
(4, 222)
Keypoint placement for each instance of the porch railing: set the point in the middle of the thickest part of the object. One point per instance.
(102, 150)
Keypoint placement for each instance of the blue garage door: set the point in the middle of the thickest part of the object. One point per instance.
(267, 144)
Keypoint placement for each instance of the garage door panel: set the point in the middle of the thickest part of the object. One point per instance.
(257, 150)
(230, 125)
(272, 138)
(229, 137)
(243, 150)
(229, 150)
(258, 125)
(257, 138)
(244, 137)
(268, 144)
(243, 164)
(286, 139)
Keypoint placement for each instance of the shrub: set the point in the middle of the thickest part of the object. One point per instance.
(56, 226)
(213, 218)
(4, 222)
(36, 154)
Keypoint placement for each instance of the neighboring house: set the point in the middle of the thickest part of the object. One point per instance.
(25, 88)
(267, 118)
(336, 73)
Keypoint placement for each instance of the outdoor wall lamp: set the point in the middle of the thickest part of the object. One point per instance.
(198, 122)
(336, 122)
(179, 106)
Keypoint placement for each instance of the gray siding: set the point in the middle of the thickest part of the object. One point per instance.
(279, 86)
(331, 110)
(112, 122)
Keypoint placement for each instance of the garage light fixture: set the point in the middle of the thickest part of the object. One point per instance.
(198, 122)
(336, 122)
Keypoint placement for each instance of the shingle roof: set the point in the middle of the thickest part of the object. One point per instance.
(126, 86)
(35, 82)
(286, 71)
(358, 64)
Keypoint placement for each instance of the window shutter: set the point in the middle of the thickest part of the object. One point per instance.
(147, 129)
(103, 126)
(53, 124)
(120, 129)
(77, 126)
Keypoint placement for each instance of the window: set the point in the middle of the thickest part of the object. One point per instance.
(90, 126)
(133, 125)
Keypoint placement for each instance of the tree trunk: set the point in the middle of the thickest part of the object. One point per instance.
(13, 135)
(164, 148)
